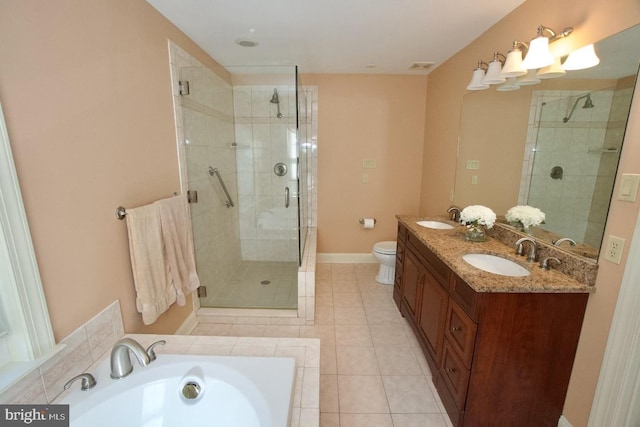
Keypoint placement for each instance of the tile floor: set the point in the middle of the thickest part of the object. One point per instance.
(372, 371)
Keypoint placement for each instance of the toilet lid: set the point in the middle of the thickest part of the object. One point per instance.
(388, 247)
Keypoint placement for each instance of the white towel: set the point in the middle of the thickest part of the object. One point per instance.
(178, 243)
(151, 274)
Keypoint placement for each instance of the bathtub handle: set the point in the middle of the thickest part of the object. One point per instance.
(151, 353)
(88, 382)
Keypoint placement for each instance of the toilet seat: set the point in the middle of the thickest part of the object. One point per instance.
(386, 248)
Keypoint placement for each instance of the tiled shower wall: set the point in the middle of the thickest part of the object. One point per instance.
(269, 229)
(204, 123)
(576, 146)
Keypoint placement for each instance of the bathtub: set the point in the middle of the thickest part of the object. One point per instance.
(233, 391)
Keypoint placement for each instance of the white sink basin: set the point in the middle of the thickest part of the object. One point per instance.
(496, 265)
(435, 224)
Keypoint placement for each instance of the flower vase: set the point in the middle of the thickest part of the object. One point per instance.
(521, 228)
(475, 233)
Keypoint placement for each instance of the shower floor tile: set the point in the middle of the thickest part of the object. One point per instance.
(258, 284)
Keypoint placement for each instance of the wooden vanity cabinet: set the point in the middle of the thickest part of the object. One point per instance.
(400, 250)
(497, 359)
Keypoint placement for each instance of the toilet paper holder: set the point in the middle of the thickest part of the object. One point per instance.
(361, 221)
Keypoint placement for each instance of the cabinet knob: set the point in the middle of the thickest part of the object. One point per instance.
(450, 370)
(456, 328)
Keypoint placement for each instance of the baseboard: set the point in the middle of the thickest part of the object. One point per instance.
(188, 325)
(563, 422)
(347, 258)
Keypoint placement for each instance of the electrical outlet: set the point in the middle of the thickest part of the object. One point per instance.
(474, 179)
(615, 246)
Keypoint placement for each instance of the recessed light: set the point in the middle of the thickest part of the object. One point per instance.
(246, 43)
(420, 66)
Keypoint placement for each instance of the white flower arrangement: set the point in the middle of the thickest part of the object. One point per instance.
(528, 216)
(478, 214)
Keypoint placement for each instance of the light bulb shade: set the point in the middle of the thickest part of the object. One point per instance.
(509, 85)
(529, 79)
(585, 57)
(513, 65)
(477, 80)
(493, 73)
(539, 55)
(552, 71)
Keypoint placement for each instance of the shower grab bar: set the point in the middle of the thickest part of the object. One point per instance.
(229, 202)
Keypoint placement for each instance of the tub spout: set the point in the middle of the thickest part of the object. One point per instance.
(120, 360)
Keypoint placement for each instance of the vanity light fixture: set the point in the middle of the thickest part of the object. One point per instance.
(551, 71)
(582, 58)
(493, 70)
(528, 79)
(509, 85)
(477, 80)
(513, 64)
(539, 55)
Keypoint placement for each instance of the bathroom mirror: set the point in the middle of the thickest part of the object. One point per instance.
(554, 145)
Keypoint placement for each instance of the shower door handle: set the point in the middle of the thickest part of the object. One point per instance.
(286, 197)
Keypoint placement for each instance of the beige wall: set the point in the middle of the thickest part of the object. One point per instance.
(85, 88)
(593, 20)
(360, 117)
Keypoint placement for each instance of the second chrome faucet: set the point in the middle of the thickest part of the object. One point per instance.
(533, 248)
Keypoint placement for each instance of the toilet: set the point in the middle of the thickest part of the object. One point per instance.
(385, 253)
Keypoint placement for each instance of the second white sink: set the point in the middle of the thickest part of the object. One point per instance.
(496, 265)
(435, 224)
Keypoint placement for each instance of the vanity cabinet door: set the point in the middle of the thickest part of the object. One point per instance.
(433, 310)
(397, 282)
(412, 275)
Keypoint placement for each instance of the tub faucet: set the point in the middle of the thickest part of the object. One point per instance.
(533, 248)
(455, 213)
(120, 360)
(564, 239)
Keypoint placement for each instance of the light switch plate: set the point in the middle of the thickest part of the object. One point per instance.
(628, 187)
(369, 164)
(473, 164)
(613, 251)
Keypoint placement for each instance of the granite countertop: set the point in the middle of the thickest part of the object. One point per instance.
(450, 245)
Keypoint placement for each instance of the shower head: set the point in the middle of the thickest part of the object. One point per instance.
(587, 104)
(275, 99)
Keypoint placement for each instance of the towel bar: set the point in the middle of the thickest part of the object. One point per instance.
(121, 212)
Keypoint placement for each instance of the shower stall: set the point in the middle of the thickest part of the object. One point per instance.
(573, 147)
(244, 162)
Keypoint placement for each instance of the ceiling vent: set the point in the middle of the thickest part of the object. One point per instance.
(420, 66)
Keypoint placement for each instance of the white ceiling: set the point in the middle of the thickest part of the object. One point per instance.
(335, 36)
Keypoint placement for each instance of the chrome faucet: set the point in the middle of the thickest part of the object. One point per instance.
(455, 213)
(533, 248)
(120, 360)
(564, 239)
(544, 264)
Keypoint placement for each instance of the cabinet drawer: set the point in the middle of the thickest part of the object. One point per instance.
(454, 374)
(461, 332)
(465, 296)
(438, 268)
